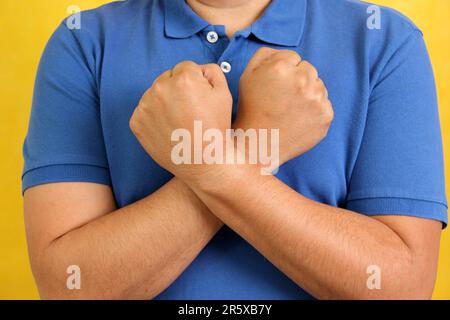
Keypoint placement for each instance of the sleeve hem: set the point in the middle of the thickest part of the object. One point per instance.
(400, 207)
(65, 173)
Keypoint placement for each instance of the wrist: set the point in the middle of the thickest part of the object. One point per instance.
(258, 145)
(217, 177)
(240, 154)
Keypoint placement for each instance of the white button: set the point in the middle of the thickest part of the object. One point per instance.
(212, 37)
(225, 66)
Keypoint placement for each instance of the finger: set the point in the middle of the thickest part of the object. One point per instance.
(214, 75)
(261, 55)
(321, 89)
(322, 85)
(308, 68)
(165, 75)
(289, 56)
(186, 66)
(161, 78)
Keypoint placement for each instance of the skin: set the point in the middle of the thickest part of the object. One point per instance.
(234, 14)
(131, 253)
(294, 88)
(139, 250)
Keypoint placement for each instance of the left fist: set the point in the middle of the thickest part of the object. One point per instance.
(187, 93)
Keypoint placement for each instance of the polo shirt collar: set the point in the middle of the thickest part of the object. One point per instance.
(181, 21)
(281, 23)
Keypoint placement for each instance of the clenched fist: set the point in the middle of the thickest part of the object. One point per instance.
(280, 91)
(177, 99)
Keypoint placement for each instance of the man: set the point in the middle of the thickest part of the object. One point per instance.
(360, 189)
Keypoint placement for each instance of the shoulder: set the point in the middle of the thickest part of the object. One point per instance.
(112, 17)
(362, 20)
(359, 11)
(108, 21)
(89, 30)
(369, 32)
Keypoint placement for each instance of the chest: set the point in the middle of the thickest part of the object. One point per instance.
(321, 174)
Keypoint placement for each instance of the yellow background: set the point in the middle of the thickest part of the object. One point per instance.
(25, 26)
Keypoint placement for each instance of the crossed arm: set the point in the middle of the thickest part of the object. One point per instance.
(131, 253)
(139, 250)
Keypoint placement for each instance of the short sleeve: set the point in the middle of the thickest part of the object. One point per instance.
(400, 167)
(64, 142)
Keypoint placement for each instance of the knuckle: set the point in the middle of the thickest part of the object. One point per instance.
(310, 69)
(131, 124)
(313, 72)
(318, 92)
(183, 79)
(288, 54)
(306, 64)
(295, 55)
(264, 54)
(213, 67)
(323, 88)
(265, 50)
(320, 85)
(281, 67)
(328, 113)
(302, 80)
(280, 54)
(157, 88)
(187, 64)
(134, 122)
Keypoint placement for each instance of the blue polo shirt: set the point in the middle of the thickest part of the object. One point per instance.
(382, 155)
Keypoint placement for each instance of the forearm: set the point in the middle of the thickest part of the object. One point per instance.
(325, 250)
(134, 252)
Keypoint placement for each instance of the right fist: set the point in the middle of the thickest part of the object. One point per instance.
(179, 97)
(280, 91)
